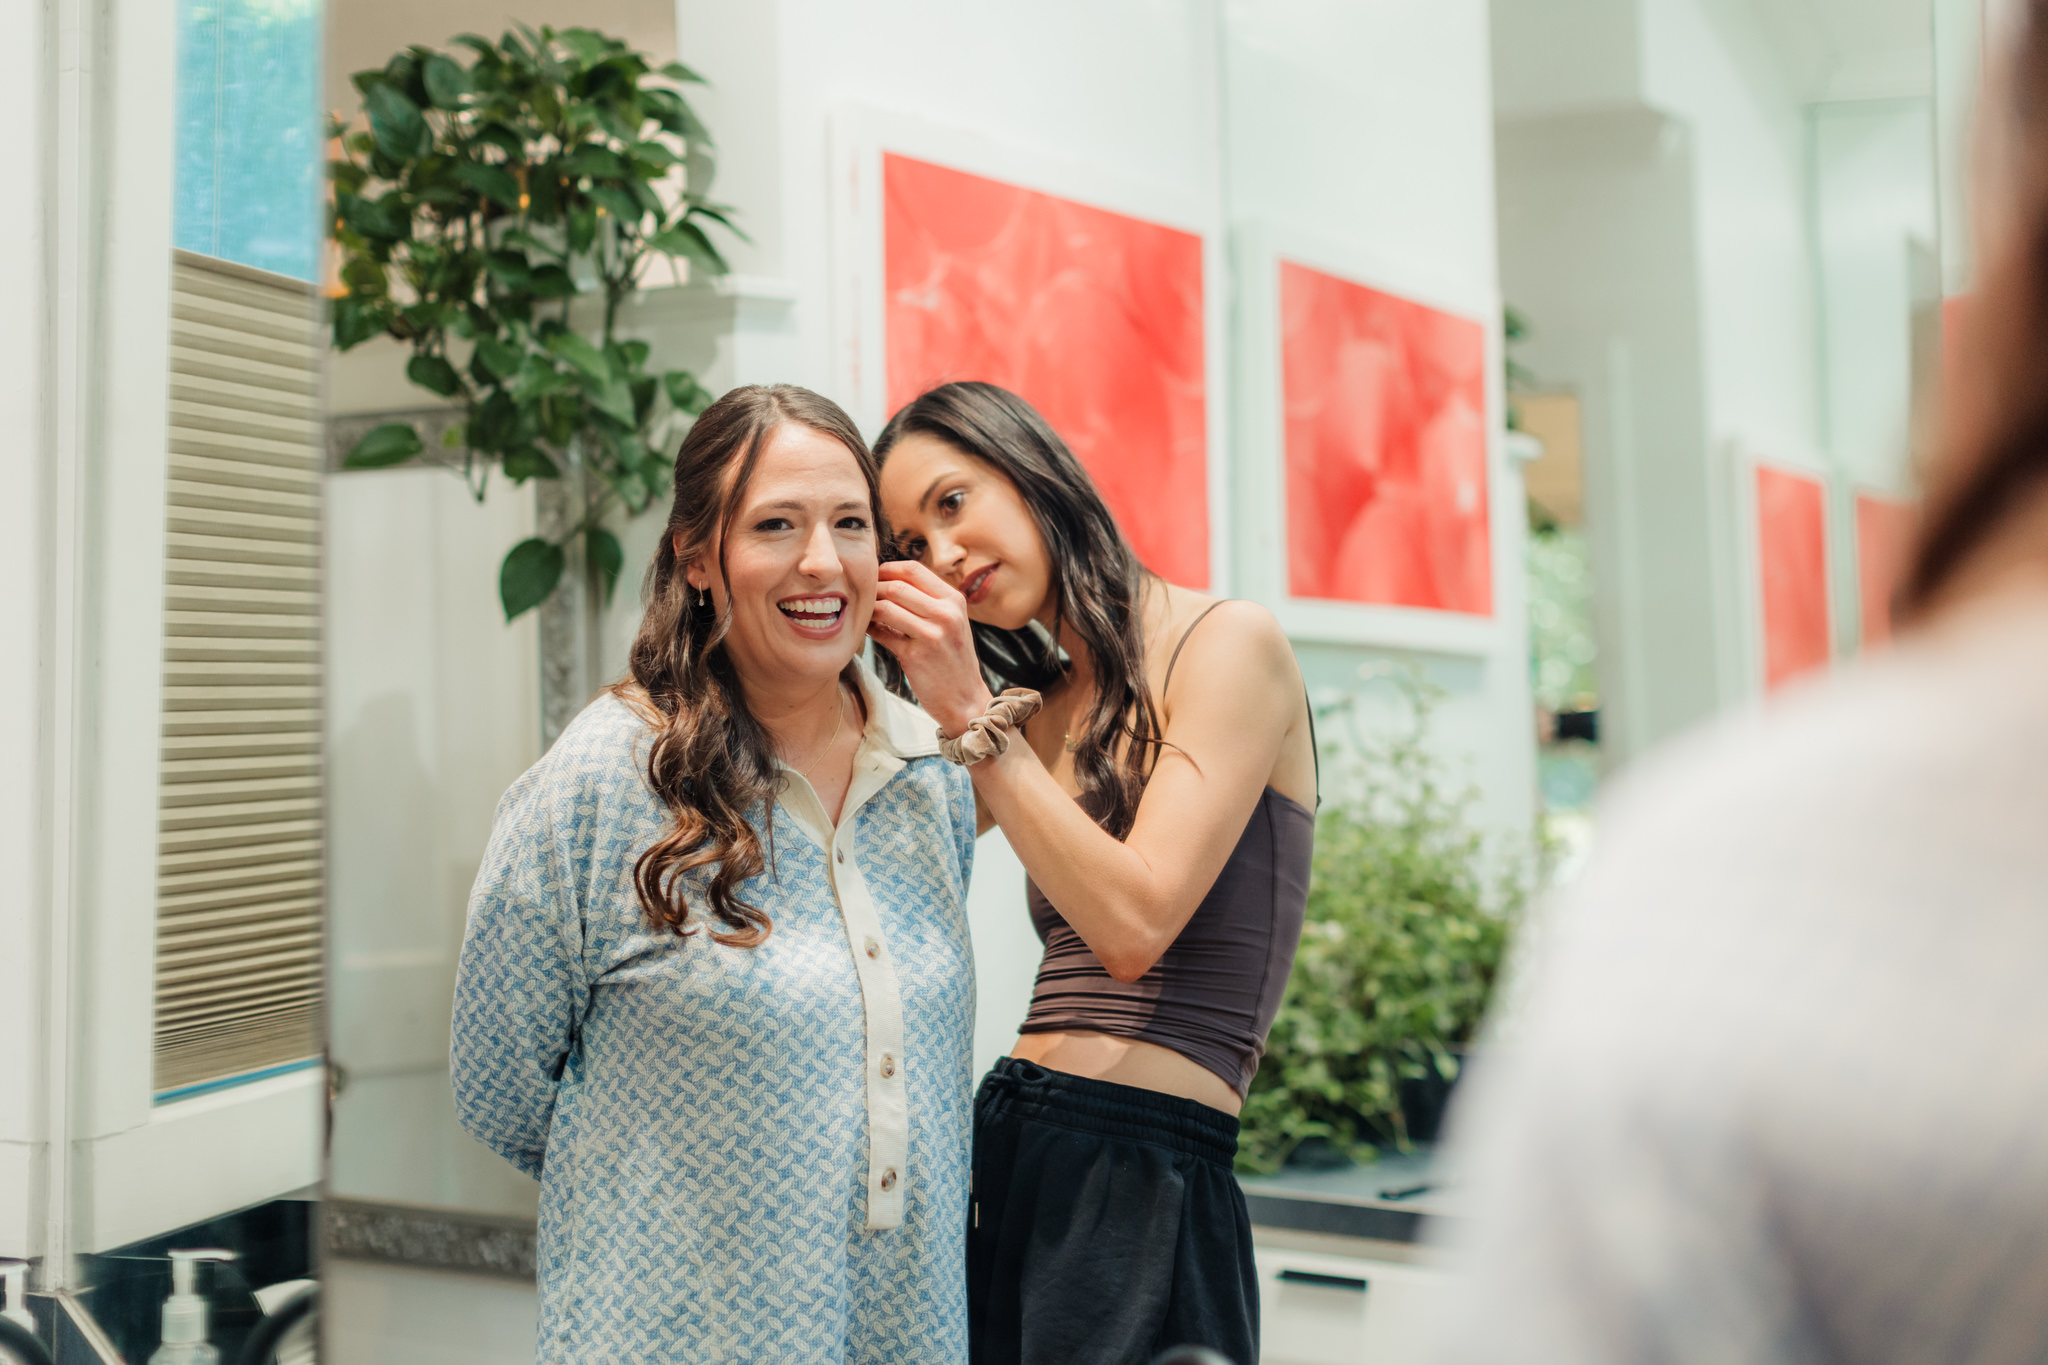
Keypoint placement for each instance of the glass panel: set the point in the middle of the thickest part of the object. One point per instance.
(249, 138)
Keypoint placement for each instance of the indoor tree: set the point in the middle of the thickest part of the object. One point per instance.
(494, 207)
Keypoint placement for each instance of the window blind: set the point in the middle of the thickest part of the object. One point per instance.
(240, 871)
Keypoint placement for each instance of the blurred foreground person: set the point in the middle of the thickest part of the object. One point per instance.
(716, 992)
(1781, 1090)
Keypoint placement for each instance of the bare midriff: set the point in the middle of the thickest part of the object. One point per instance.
(1127, 1061)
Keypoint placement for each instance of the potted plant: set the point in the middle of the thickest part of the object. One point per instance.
(1408, 921)
(493, 209)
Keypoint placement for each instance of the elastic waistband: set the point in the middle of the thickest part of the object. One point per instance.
(1030, 1091)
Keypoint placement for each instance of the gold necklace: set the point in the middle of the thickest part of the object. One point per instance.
(839, 709)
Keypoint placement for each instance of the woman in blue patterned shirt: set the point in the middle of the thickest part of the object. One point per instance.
(716, 991)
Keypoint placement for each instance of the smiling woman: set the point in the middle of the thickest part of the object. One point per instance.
(779, 1101)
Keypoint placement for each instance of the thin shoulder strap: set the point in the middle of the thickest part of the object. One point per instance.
(1183, 645)
(1315, 749)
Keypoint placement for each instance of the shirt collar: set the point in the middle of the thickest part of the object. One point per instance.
(896, 732)
(898, 725)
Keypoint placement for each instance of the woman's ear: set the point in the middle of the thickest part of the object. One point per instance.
(693, 565)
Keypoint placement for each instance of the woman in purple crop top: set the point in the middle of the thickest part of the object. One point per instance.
(1163, 805)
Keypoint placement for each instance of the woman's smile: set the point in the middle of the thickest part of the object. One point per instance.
(817, 617)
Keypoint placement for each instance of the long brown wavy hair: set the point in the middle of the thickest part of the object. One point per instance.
(711, 761)
(1097, 582)
(1994, 448)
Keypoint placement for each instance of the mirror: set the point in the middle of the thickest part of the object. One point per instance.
(1555, 358)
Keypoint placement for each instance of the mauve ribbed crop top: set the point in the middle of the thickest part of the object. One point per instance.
(1212, 995)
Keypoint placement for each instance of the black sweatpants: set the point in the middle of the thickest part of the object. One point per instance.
(1106, 1225)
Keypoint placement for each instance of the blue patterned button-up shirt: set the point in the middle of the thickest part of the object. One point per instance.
(745, 1154)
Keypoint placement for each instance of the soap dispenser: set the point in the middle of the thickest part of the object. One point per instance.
(184, 1336)
(14, 1275)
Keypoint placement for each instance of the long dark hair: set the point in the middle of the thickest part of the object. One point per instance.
(1994, 448)
(1098, 584)
(711, 760)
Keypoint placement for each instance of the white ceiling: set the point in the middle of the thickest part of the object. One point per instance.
(1852, 49)
(1873, 25)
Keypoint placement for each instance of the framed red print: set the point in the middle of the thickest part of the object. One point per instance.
(1792, 572)
(1094, 317)
(1092, 297)
(1386, 446)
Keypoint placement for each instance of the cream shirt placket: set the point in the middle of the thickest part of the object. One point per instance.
(888, 1106)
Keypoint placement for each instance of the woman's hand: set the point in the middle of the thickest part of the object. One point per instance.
(923, 622)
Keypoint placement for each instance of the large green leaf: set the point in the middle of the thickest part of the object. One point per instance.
(530, 572)
(502, 358)
(590, 159)
(400, 129)
(537, 379)
(685, 392)
(688, 241)
(497, 134)
(607, 558)
(657, 155)
(530, 462)
(613, 398)
(551, 282)
(356, 320)
(618, 203)
(383, 446)
(510, 267)
(381, 220)
(720, 214)
(446, 82)
(494, 425)
(347, 176)
(582, 225)
(492, 182)
(676, 71)
(589, 47)
(434, 374)
(581, 354)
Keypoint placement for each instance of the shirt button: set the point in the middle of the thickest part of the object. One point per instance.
(872, 948)
(889, 1179)
(842, 855)
(888, 1066)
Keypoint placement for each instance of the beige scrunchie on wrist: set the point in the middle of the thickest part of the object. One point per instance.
(988, 735)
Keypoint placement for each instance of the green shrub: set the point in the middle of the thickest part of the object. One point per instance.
(1408, 920)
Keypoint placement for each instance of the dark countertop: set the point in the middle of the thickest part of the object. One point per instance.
(1372, 1201)
(1356, 1201)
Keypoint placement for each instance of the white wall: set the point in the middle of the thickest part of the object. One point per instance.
(1565, 56)
(1710, 63)
(1598, 233)
(1368, 127)
(432, 711)
(25, 681)
(1875, 206)
(1660, 238)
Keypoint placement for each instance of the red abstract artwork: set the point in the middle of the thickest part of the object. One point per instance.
(1094, 317)
(1791, 517)
(1884, 528)
(1386, 448)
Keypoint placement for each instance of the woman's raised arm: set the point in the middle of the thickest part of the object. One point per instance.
(1236, 695)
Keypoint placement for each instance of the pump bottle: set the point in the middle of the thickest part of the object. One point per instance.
(184, 1331)
(14, 1276)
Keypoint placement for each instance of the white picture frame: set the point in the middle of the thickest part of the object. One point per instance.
(862, 134)
(1258, 248)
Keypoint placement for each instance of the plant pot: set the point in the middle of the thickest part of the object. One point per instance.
(1424, 1099)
